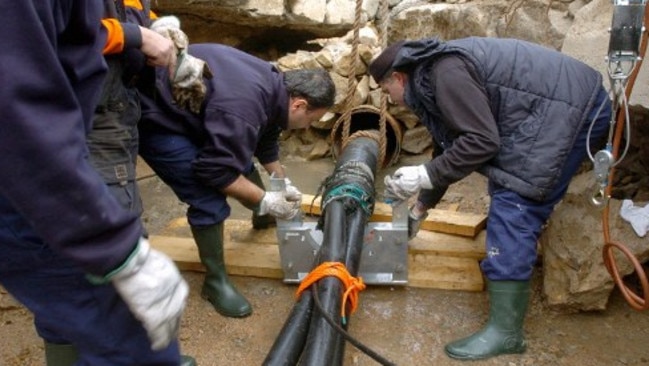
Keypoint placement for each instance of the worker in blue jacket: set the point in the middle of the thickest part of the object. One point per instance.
(204, 149)
(68, 251)
(521, 114)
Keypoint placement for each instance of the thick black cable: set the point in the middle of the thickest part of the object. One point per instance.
(356, 343)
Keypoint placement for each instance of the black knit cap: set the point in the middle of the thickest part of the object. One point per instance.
(382, 64)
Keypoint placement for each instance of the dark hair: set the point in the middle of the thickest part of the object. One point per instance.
(314, 85)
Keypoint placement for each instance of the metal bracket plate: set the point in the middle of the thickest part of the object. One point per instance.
(626, 30)
(384, 258)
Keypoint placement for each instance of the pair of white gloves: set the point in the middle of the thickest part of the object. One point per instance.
(283, 204)
(404, 183)
(188, 88)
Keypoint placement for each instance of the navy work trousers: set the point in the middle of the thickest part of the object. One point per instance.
(514, 223)
(171, 156)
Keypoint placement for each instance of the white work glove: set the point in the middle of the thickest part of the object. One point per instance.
(277, 204)
(169, 27)
(406, 182)
(188, 88)
(152, 288)
(292, 193)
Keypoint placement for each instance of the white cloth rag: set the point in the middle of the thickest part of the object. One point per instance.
(637, 216)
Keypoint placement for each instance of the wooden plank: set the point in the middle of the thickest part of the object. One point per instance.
(142, 169)
(447, 273)
(453, 222)
(446, 245)
(255, 253)
(426, 242)
(242, 259)
(444, 221)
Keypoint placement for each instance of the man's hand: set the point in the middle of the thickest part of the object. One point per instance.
(152, 288)
(159, 50)
(278, 205)
(168, 27)
(406, 182)
(187, 72)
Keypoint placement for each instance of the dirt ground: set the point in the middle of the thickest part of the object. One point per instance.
(409, 326)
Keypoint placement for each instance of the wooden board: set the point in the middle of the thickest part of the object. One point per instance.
(436, 260)
(444, 221)
(447, 273)
(446, 245)
(242, 259)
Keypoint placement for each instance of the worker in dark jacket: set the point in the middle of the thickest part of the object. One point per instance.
(61, 226)
(113, 141)
(207, 154)
(519, 113)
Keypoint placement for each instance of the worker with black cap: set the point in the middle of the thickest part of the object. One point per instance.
(382, 64)
(520, 114)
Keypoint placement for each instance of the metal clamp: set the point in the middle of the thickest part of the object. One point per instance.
(384, 258)
(603, 162)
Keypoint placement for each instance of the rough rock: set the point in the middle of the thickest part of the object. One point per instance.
(575, 278)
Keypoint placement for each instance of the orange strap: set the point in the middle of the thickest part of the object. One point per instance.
(353, 285)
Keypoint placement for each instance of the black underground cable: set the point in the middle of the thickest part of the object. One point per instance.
(356, 343)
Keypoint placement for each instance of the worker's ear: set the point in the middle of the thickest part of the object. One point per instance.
(400, 77)
(298, 102)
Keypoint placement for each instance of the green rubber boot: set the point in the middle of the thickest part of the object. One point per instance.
(263, 221)
(60, 354)
(187, 361)
(503, 333)
(217, 288)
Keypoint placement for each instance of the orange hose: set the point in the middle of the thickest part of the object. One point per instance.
(635, 301)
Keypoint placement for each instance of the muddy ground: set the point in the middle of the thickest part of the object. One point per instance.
(409, 326)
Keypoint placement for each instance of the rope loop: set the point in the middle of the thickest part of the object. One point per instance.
(345, 118)
(353, 285)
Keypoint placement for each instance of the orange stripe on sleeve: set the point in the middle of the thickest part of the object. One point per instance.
(133, 4)
(136, 4)
(115, 38)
